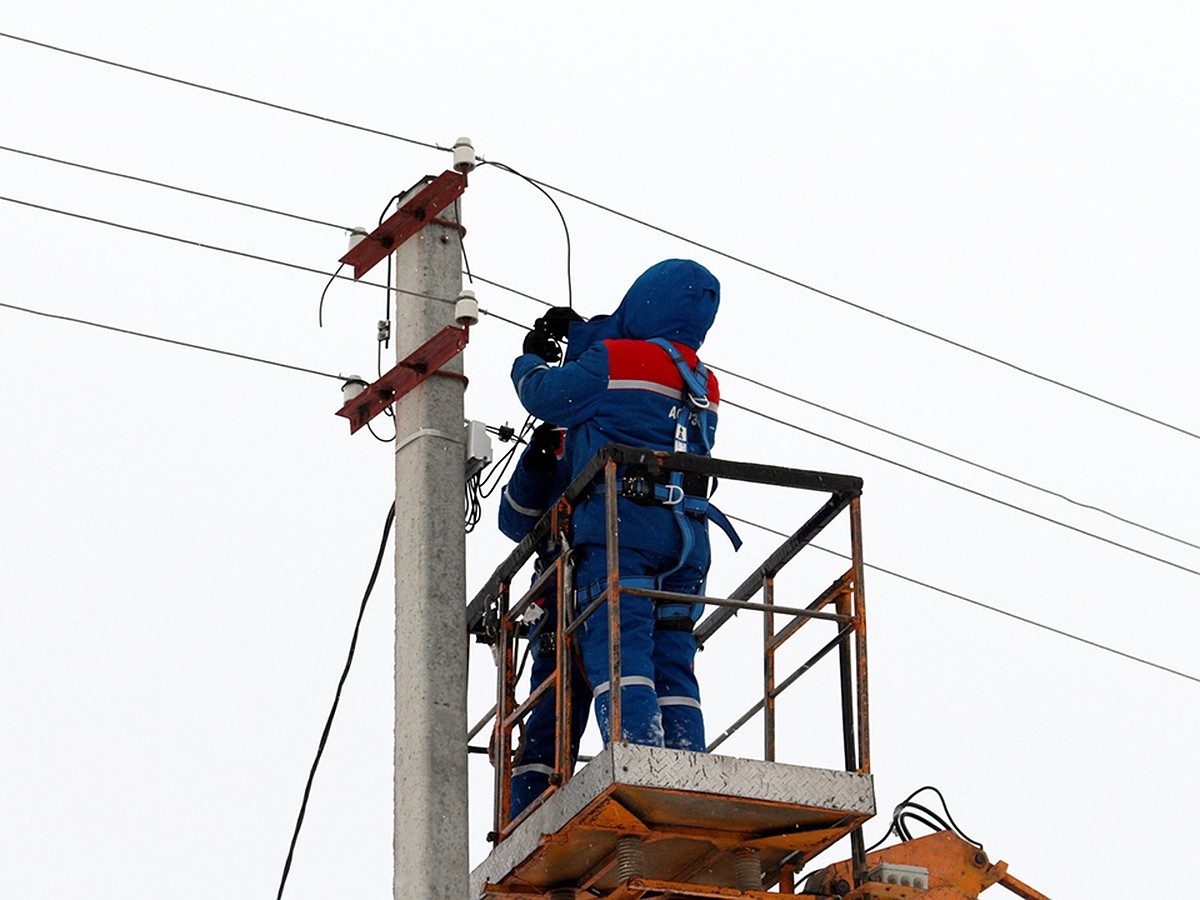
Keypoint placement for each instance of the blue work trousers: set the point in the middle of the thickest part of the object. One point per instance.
(533, 763)
(660, 697)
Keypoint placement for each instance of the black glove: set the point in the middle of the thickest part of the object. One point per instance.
(541, 344)
(557, 320)
(544, 446)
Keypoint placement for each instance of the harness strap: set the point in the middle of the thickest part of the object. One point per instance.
(719, 519)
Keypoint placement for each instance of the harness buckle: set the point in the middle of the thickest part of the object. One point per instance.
(674, 494)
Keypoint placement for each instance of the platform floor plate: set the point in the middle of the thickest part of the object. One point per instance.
(690, 808)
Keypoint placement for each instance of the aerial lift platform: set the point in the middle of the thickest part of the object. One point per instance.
(651, 822)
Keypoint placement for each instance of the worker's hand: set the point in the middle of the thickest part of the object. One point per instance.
(545, 447)
(540, 343)
(557, 320)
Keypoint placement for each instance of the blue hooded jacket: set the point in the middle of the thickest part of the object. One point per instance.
(616, 386)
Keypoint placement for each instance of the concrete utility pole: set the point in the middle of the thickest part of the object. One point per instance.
(430, 829)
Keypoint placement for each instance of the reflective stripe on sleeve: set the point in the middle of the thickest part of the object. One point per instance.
(523, 510)
(521, 383)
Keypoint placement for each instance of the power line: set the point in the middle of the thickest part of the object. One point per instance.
(962, 487)
(246, 205)
(224, 93)
(954, 456)
(981, 604)
(511, 290)
(171, 187)
(628, 217)
(165, 340)
(866, 309)
(214, 247)
(253, 256)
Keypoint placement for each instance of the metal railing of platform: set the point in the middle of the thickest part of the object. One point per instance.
(494, 617)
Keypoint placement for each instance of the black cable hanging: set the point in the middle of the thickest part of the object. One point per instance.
(507, 168)
(904, 811)
(287, 865)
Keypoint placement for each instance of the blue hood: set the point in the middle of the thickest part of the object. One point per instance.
(675, 299)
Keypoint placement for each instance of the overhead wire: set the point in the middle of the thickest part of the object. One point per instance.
(870, 311)
(166, 340)
(483, 311)
(642, 222)
(174, 187)
(213, 90)
(245, 255)
(963, 597)
(477, 277)
(964, 488)
(954, 456)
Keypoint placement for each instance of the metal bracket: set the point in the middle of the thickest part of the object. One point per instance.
(424, 207)
(407, 374)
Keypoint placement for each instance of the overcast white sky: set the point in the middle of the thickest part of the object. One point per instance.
(185, 537)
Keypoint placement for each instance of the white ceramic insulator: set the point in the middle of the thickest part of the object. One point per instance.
(464, 155)
(466, 309)
(352, 388)
(356, 236)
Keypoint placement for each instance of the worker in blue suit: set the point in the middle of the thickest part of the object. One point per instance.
(639, 381)
(540, 476)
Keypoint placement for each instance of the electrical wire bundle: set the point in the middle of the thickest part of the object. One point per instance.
(483, 483)
(907, 810)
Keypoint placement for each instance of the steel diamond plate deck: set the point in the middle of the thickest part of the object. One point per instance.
(691, 808)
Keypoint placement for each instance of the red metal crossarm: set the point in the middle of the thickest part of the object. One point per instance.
(410, 218)
(407, 374)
